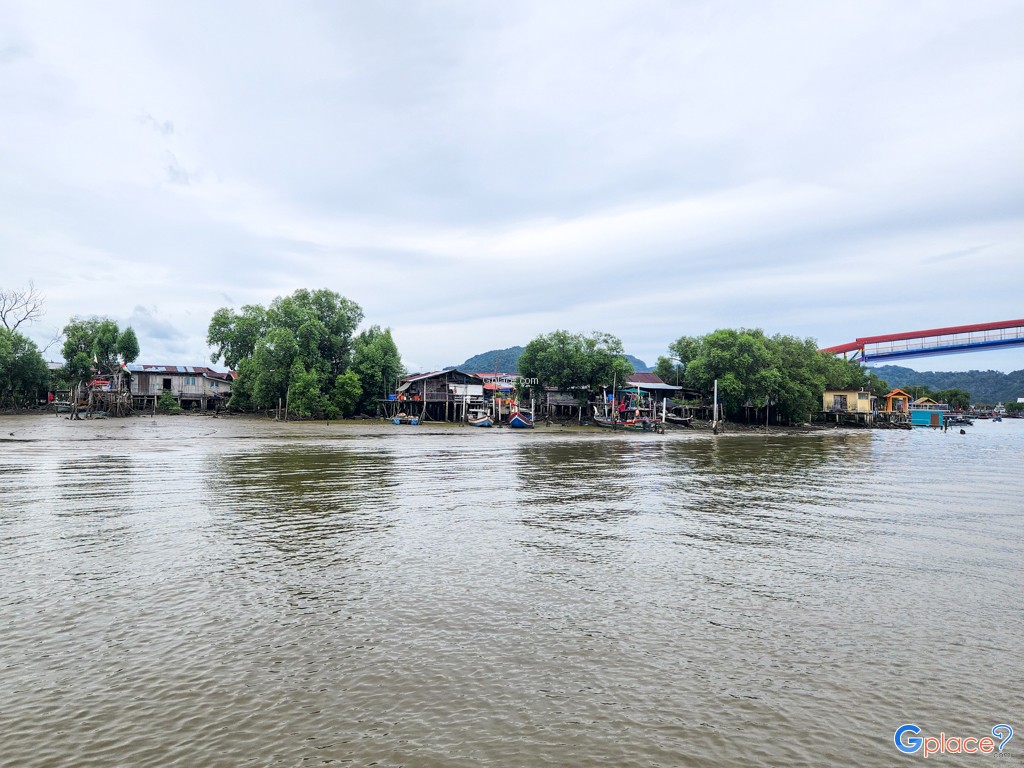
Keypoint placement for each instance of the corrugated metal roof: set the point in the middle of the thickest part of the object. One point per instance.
(644, 378)
(180, 369)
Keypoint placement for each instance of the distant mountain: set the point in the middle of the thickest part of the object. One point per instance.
(495, 361)
(507, 361)
(985, 386)
(639, 365)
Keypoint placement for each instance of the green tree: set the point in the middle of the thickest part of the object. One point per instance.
(377, 364)
(23, 371)
(1015, 408)
(567, 360)
(167, 404)
(346, 394)
(295, 349)
(96, 344)
(783, 373)
(743, 364)
(954, 398)
(128, 345)
(304, 395)
(234, 334)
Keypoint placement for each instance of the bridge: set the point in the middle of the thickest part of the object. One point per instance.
(937, 341)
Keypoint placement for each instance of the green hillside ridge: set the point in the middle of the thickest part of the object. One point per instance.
(989, 387)
(507, 361)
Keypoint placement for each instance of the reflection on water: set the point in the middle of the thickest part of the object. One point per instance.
(309, 503)
(193, 591)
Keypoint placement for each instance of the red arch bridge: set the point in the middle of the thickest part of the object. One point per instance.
(937, 341)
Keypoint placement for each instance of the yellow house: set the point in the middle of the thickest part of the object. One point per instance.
(897, 401)
(847, 401)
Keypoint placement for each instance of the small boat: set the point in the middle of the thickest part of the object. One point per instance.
(403, 418)
(629, 425)
(520, 419)
(998, 418)
(479, 419)
(679, 421)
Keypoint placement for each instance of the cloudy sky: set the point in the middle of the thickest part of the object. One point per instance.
(476, 173)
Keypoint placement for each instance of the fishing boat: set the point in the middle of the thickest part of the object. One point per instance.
(479, 419)
(520, 419)
(642, 424)
(403, 418)
(678, 421)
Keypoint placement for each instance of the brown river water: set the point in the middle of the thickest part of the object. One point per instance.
(197, 591)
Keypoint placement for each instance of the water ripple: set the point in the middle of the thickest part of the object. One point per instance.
(199, 591)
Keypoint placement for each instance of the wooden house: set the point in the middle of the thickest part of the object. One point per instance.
(651, 386)
(191, 386)
(438, 396)
(848, 401)
(850, 406)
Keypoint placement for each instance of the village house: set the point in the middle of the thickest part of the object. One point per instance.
(652, 387)
(849, 405)
(438, 396)
(192, 386)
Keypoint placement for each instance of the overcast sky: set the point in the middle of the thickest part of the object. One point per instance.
(476, 173)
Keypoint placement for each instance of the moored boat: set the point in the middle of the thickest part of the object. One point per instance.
(479, 419)
(629, 425)
(520, 419)
(403, 418)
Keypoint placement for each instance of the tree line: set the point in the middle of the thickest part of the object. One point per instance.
(784, 374)
(303, 352)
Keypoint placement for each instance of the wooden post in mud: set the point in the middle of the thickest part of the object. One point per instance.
(714, 415)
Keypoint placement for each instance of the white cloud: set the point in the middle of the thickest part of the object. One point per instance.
(475, 175)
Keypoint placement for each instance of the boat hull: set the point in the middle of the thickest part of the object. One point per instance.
(483, 421)
(520, 420)
(679, 421)
(629, 426)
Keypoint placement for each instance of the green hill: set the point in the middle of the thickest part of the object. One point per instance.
(495, 361)
(507, 361)
(638, 365)
(985, 386)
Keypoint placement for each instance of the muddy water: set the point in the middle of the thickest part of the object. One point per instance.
(190, 591)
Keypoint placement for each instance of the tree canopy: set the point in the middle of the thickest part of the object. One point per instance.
(96, 344)
(573, 360)
(301, 349)
(377, 366)
(753, 370)
(23, 371)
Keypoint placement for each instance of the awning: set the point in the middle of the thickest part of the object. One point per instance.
(652, 386)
